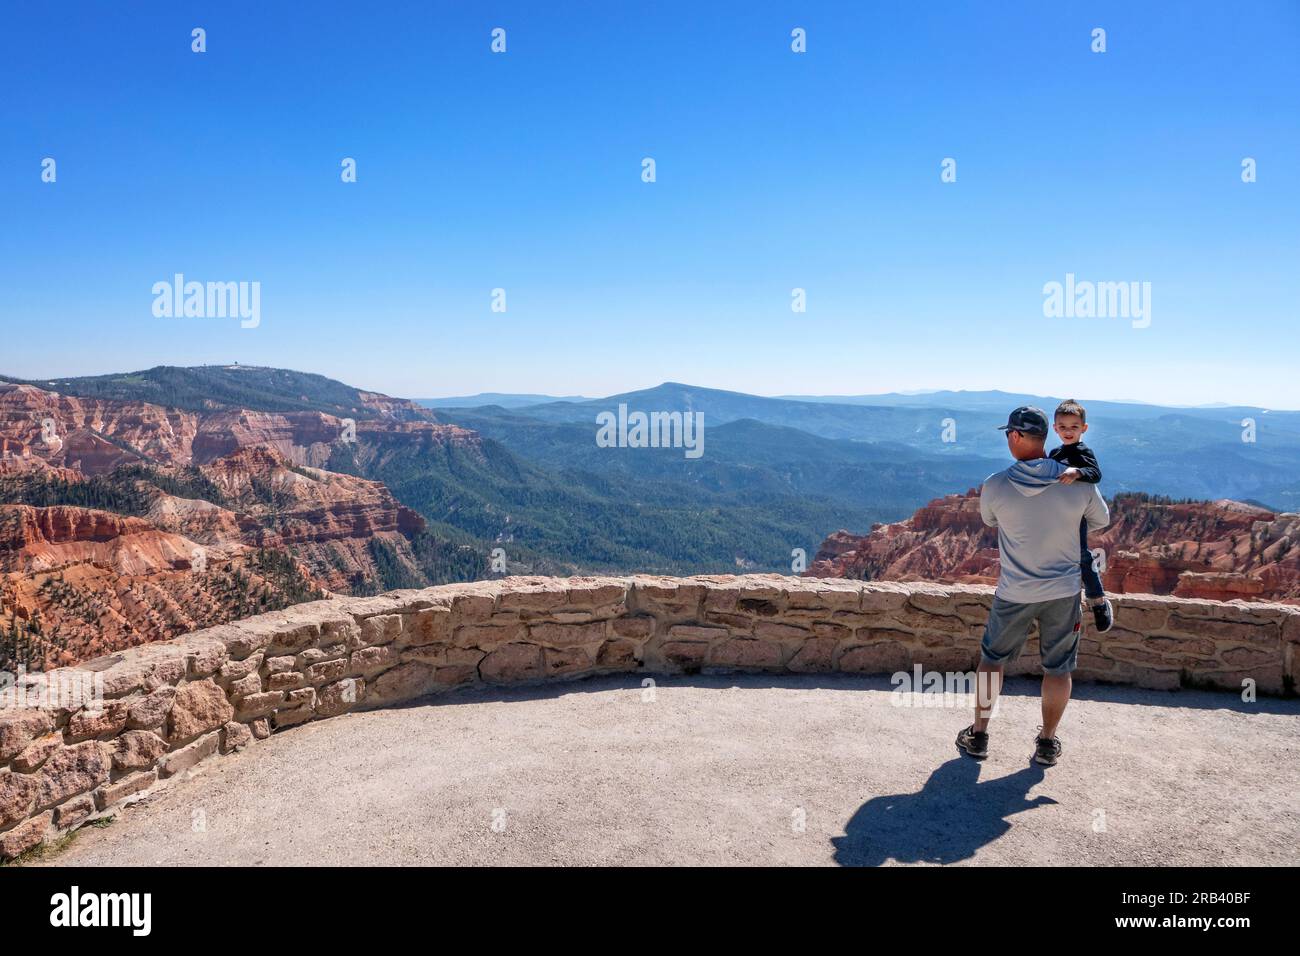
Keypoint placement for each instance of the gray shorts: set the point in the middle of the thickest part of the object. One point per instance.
(1058, 632)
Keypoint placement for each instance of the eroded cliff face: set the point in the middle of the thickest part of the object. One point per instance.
(123, 523)
(1219, 550)
(82, 429)
(944, 541)
(304, 438)
(38, 539)
(76, 583)
(95, 436)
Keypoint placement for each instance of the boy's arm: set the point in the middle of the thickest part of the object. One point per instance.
(1081, 458)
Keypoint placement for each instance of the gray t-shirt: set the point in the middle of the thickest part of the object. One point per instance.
(1037, 519)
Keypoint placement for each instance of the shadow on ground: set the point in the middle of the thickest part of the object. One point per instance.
(947, 820)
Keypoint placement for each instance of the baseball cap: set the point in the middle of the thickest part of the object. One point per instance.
(1027, 419)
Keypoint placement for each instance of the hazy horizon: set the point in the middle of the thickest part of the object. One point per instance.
(911, 393)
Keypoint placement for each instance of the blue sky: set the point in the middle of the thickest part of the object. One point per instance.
(775, 170)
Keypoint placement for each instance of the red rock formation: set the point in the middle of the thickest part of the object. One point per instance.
(1214, 549)
(308, 504)
(94, 436)
(37, 539)
(97, 581)
(157, 433)
(1222, 586)
(85, 582)
(305, 438)
(944, 541)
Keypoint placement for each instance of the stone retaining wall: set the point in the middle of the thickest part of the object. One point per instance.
(77, 743)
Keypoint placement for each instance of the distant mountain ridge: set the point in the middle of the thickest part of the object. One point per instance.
(500, 399)
(994, 400)
(1192, 453)
(209, 387)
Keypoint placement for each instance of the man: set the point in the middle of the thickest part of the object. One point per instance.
(1037, 518)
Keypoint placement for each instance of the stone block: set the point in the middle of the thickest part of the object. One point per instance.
(68, 814)
(235, 735)
(18, 728)
(292, 716)
(381, 629)
(775, 631)
(881, 657)
(112, 793)
(746, 654)
(618, 655)
(150, 712)
(186, 757)
(567, 635)
(454, 674)
(199, 706)
(137, 750)
(281, 665)
(326, 671)
(25, 836)
(233, 671)
(340, 696)
(37, 752)
(637, 627)
(288, 680)
(17, 796)
(371, 659)
(1269, 633)
(430, 626)
(403, 682)
(488, 637)
(814, 656)
(512, 662)
(684, 653)
(565, 660)
(259, 705)
(73, 770)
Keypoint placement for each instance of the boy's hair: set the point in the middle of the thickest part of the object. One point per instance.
(1071, 407)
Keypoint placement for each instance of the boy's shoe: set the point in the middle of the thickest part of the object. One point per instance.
(1047, 752)
(1103, 615)
(974, 742)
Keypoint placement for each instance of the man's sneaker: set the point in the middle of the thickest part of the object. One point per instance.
(974, 742)
(1047, 752)
(1104, 616)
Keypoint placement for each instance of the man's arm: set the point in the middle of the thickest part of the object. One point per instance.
(986, 505)
(1097, 514)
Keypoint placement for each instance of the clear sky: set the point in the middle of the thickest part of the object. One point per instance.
(775, 170)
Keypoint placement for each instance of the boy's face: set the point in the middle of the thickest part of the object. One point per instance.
(1070, 428)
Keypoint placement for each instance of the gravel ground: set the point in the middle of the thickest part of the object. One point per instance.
(736, 770)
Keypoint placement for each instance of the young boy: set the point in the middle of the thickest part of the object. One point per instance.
(1070, 422)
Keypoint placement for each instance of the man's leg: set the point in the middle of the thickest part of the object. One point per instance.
(988, 684)
(1004, 638)
(1058, 641)
(1056, 694)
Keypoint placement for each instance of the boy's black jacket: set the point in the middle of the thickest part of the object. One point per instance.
(1079, 456)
